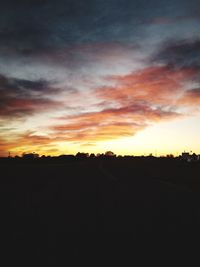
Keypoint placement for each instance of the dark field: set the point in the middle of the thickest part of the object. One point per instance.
(99, 212)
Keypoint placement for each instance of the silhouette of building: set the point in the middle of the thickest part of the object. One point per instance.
(30, 155)
(185, 156)
(189, 157)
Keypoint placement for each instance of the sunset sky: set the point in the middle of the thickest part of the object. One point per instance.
(98, 75)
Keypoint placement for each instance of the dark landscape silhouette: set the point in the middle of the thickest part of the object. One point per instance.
(98, 211)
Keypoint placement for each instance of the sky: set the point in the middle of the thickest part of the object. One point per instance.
(95, 75)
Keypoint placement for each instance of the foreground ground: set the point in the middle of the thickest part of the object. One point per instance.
(104, 212)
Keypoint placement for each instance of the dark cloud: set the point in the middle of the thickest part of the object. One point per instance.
(194, 92)
(35, 85)
(19, 108)
(23, 87)
(180, 54)
(19, 97)
(191, 97)
(27, 27)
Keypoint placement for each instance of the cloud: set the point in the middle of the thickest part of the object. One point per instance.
(37, 26)
(19, 97)
(156, 85)
(164, 20)
(180, 54)
(191, 97)
(39, 85)
(109, 123)
(28, 142)
(5, 146)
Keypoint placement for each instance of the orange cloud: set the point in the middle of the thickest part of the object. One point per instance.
(129, 105)
(156, 85)
(27, 142)
(6, 146)
(109, 123)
